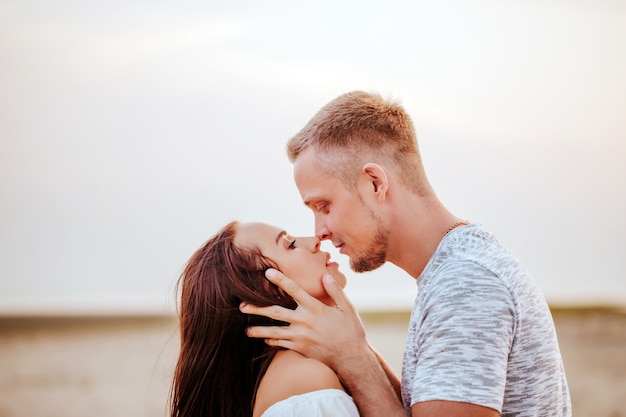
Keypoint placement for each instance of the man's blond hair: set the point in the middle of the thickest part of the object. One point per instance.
(359, 127)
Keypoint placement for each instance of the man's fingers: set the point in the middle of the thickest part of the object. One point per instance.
(336, 292)
(290, 287)
(279, 279)
(273, 312)
(287, 344)
(274, 336)
(276, 333)
(284, 343)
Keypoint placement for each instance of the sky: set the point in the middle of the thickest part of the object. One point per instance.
(131, 131)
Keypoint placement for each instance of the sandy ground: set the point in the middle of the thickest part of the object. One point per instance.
(105, 367)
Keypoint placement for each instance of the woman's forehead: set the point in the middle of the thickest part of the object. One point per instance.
(255, 234)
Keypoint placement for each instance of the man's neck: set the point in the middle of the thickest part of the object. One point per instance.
(416, 229)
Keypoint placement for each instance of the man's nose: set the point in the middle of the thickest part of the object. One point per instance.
(322, 233)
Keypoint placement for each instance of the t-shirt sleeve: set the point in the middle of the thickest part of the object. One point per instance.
(322, 403)
(465, 338)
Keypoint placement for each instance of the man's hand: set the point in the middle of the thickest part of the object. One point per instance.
(332, 335)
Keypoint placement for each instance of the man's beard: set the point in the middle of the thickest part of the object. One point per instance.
(374, 256)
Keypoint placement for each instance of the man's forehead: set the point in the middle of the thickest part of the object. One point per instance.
(306, 168)
(313, 179)
(306, 160)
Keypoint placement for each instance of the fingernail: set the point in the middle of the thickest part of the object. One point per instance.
(328, 279)
(270, 273)
(243, 305)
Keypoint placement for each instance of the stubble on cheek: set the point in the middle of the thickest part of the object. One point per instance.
(373, 257)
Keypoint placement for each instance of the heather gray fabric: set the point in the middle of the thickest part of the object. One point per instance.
(481, 332)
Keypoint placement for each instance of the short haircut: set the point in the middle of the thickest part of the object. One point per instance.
(359, 127)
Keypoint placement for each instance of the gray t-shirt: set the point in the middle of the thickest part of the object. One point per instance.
(481, 332)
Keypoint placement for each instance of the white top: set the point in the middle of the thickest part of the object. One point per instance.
(322, 403)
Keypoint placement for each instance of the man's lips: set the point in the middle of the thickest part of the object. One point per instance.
(340, 246)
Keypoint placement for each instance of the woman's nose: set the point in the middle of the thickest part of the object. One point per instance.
(313, 243)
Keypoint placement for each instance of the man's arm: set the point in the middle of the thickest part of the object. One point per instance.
(391, 375)
(334, 336)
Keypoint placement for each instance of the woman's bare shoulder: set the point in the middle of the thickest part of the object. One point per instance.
(289, 374)
(301, 373)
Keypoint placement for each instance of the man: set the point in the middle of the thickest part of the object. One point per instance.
(481, 339)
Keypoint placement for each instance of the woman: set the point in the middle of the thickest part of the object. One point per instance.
(221, 371)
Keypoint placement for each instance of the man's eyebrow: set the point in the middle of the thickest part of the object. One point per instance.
(280, 234)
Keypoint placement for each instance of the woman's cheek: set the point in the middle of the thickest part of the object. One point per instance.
(315, 287)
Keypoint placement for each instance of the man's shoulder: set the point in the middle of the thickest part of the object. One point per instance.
(472, 250)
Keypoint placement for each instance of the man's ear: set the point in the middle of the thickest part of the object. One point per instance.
(376, 176)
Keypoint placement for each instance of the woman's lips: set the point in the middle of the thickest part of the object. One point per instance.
(330, 263)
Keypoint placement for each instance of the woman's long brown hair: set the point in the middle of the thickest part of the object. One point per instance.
(219, 367)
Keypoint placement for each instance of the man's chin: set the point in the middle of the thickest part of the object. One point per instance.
(367, 265)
